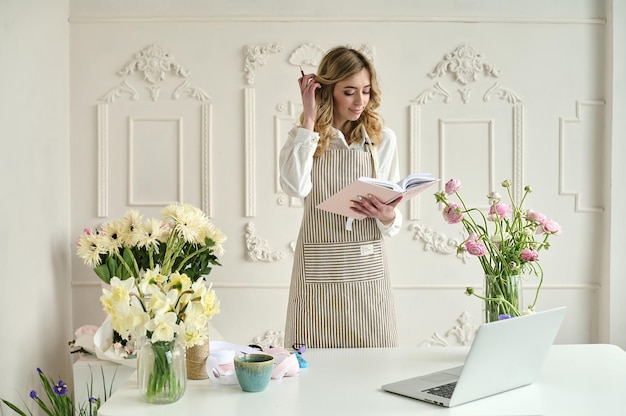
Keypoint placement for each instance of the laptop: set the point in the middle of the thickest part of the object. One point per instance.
(504, 355)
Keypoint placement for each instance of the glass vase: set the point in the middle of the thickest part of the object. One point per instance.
(503, 296)
(161, 371)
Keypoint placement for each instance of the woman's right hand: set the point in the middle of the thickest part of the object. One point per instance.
(308, 85)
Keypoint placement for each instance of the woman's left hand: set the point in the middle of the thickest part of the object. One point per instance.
(372, 207)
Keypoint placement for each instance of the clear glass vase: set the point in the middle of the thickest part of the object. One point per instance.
(161, 371)
(507, 292)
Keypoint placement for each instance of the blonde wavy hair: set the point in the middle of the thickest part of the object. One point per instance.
(338, 64)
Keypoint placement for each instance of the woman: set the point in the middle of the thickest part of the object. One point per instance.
(340, 294)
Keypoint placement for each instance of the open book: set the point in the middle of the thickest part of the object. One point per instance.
(385, 191)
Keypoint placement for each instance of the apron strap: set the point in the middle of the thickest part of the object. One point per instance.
(374, 154)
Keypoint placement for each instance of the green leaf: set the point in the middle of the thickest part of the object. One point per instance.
(112, 265)
(16, 409)
(102, 271)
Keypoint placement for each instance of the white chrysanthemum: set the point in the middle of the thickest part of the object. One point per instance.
(90, 247)
(130, 228)
(215, 234)
(188, 221)
(151, 233)
(111, 236)
(163, 327)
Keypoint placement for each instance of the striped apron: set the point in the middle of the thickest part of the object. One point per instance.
(340, 294)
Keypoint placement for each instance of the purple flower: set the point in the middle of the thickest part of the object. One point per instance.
(503, 316)
(60, 389)
(452, 186)
(33, 394)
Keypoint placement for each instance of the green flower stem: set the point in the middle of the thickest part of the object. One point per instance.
(192, 255)
(532, 305)
(501, 296)
(174, 246)
(126, 266)
(163, 377)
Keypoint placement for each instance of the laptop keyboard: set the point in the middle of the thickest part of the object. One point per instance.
(445, 390)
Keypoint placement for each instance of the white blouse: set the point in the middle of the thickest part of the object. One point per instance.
(296, 162)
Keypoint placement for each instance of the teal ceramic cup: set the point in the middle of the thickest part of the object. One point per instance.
(254, 371)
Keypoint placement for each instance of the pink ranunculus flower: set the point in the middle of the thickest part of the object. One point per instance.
(535, 216)
(452, 213)
(501, 208)
(476, 248)
(551, 227)
(452, 186)
(528, 254)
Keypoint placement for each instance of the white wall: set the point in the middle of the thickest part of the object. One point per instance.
(554, 56)
(35, 301)
(37, 236)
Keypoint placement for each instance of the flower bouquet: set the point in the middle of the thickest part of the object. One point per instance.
(506, 240)
(155, 270)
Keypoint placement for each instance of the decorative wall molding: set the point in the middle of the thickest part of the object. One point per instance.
(505, 94)
(117, 92)
(255, 56)
(462, 333)
(103, 160)
(438, 242)
(307, 54)
(590, 288)
(206, 150)
(339, 19)
(578, 205)
(466, 65)
(291, 117)
(258, 249)
(250, 150)
(518, 152)
(153, 63)
(431, 93)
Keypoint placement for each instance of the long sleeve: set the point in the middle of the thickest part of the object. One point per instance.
(388, 168)
(296, 162)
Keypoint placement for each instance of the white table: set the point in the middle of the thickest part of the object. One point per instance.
(576, 380)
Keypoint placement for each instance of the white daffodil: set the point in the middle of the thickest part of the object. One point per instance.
(163, 327)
